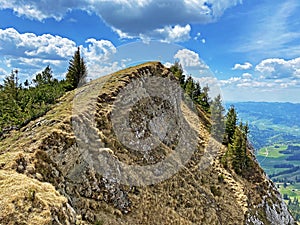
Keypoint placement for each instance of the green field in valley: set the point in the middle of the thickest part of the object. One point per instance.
(275, 134)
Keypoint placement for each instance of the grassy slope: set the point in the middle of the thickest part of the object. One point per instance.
(190, 196)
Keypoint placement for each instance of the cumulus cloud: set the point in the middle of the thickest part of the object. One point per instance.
(30, 53)
(30, 45)
(132, 18)
(40, 10)
(245, 66)
(230, 81)
(98, 55)
(275, 68)
(99, 50)
(269, 74)
(174, 34)
(247, 75)
(190, 60)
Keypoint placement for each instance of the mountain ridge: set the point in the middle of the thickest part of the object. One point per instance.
(60, 185)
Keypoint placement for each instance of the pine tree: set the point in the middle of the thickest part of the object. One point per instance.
(177, 70)
(77, 72)
(9, 102)
(238, 148)
(196, 92)
(230, 125)
(189, 87)
(10, 86)
(45, 77)
(204, 99)
(217, 116)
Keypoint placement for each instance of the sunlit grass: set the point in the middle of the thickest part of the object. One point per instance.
(272, 151)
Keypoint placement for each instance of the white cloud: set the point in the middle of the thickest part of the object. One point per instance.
(168, 64)
(230, 81)
(269, 75)
(131, 18)
(175, 34)
(246, 82)
(198, 35)
(30, 45)
(99, 50)
(98, 55)
(40, 10)
(190, 60)
(247, 75)
(30, 53)
(245, 66)
(256, 84)
(275, 68)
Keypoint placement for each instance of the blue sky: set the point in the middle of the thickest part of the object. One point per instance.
(250, 48)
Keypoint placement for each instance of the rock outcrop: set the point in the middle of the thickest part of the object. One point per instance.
(75, 165)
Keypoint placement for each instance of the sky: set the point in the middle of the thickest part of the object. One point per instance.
(247, 49)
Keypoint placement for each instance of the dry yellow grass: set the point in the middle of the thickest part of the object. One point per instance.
(25, 200)
(45, 151)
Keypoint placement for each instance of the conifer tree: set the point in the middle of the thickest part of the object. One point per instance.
(239, 150)
(177, 70)
(230, 125)
(45, 77)
(217, 116)
(204, 99)
(196, 92)
(77, 71)
(189, 87)
(11, 86)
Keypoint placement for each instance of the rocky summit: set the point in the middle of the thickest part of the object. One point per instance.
(129, 148)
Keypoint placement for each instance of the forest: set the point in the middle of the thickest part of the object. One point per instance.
(22, 102)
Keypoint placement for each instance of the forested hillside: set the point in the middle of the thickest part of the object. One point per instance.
(22, 102)
(275, 133)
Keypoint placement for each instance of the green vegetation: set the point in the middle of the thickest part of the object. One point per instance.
(271, 123)
(21, 103)
(277, 161)
(224, 129)
(275, 132)
(294, 206)
(272, 151)
(218, 119)
(192, 88)
(77, 71)
(230, 125)
(236, 138)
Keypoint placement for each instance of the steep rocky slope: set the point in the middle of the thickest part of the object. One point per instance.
(75, 165)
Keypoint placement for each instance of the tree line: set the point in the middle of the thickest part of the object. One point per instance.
(22, 102)
(225, 127)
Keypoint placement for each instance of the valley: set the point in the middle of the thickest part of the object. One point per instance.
(275, 135)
